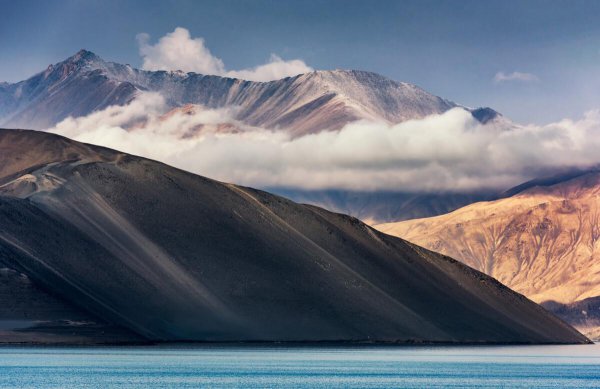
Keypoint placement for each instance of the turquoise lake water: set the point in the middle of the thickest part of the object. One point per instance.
(297, 367)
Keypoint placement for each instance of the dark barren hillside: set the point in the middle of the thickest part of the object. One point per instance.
(147, 251)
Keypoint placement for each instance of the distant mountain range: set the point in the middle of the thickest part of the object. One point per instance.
(307, 103)
(384, 206)
(543, 240)
(100, 246)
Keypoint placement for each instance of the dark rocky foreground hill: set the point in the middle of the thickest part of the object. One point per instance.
(113, 247)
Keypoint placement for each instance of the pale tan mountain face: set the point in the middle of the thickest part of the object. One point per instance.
(543, 242)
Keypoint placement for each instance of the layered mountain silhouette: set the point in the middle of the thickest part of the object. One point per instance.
(140, 250)
(307, 103)
(304, 104)
(375, 207)
(542, 239)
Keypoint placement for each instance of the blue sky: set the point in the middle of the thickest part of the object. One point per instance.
(453, 49)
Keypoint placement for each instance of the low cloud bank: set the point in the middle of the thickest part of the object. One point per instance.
(177, 50)
(451, 151)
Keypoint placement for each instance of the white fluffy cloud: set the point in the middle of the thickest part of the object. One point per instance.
(177, 50)
(515, 76)
(451, 151)
(275, 69)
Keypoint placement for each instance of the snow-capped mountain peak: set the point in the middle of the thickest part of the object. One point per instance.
(307, 103)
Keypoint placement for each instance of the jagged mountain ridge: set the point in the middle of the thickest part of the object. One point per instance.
(174, 256)
(307, 103)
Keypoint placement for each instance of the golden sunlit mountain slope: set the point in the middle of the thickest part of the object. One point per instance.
(542, 242)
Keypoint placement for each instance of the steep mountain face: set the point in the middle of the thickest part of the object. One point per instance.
(307, 103)
(74, 87)
(542, 241)
(170, 255)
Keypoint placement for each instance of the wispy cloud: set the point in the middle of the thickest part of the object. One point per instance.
(177, 50)
(451, 151)
(515, 76)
